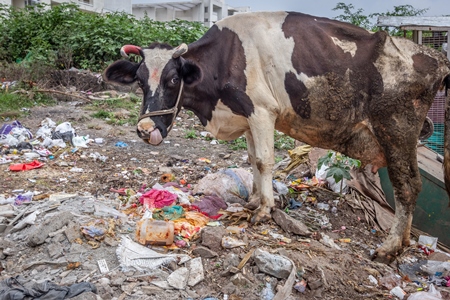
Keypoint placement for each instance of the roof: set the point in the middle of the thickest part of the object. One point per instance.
(415, 23)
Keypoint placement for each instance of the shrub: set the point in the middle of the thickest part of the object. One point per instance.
(64, 36)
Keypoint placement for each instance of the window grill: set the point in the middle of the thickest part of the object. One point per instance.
(436, 40)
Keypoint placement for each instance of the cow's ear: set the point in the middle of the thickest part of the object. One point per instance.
(122, 71)
(191, 73)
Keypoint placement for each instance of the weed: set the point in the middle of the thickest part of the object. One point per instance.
(339, 166)
(278, 159)
(282, 141)
(14, 103)
(238, 144)
(190, 134)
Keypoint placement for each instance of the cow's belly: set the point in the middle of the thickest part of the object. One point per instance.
(355, 139)
(226, 125)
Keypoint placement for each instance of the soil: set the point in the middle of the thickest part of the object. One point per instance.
(330, 273)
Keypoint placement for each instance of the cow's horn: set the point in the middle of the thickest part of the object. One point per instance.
(180, 50)
(128, 49)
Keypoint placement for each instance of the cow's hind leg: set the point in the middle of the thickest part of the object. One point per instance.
(405, 177)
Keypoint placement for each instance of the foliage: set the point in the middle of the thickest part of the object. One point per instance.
(282, 141)
(64, 36)
(15, 104)
(402, 11)
(368, 22)
(190, 134)
(339, 165)
(353, 17)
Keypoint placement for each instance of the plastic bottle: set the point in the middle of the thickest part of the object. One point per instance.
(154, 232)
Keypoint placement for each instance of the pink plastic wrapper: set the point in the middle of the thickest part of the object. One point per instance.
(157, 199)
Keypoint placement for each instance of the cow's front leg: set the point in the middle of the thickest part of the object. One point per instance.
(261, 155)
(255, 198)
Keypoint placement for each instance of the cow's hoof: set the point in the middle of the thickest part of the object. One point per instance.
(388, 251)
(261, 216)
(253, 203)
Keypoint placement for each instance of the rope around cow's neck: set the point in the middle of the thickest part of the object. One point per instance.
(174, 110)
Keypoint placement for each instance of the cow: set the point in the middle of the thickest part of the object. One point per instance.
(324, 82)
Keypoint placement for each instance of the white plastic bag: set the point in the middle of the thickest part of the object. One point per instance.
(321, 175)
(432, 294)
(64, 127)
(44, 132)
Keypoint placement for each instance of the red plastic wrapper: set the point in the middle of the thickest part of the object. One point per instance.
(157, 199)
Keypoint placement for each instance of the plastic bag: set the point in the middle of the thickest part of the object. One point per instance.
(64, 127)
(44, 132)
(432, 294)
(7, 139)
(321, 174)
(232, 185)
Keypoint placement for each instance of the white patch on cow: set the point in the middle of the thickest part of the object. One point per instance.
(346, 46)
(394, 74)
(226, 125)
(155, 61)
(268, 60)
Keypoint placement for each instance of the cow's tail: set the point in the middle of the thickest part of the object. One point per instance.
(446, 84)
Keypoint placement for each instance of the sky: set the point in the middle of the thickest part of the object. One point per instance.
(324, 8)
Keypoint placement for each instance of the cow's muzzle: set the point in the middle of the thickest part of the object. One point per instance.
(146, 127)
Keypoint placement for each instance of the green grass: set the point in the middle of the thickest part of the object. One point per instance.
(104, 109)
(13, 103)
(190, 134)
(282, 141)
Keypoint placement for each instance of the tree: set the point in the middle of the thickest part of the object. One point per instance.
(355, 18)
(368, 22)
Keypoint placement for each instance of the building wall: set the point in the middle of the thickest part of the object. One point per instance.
(207, 11)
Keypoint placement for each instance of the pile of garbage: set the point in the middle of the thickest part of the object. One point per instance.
(176, 239)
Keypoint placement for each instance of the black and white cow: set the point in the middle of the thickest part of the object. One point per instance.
(323, 82)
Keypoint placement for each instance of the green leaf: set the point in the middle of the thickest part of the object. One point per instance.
(338, 173)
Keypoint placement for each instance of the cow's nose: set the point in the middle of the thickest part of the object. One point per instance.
(145, 127)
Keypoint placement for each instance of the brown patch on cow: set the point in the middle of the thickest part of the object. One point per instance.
(424, 64)
(350, 76)
(223, 65)
(298, 93)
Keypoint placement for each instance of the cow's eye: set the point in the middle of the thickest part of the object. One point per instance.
(174, 80)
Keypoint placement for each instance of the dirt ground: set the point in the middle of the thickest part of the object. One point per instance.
(330, 273)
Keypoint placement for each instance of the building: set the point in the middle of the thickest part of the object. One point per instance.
(98, 6)
(206, 11)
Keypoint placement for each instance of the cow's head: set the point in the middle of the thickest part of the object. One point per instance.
(161, 74)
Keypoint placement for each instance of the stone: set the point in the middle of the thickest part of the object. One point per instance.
(87, 296)
(104, 281)
(314, 285)
(40, 233)
(289, 224)
(117, 280)
(54, 250)
(204, 252)
(212, 237)
(72, 231)
(59, 238)
(240, 280)
(229, 289)
(151, 290)
(162, 284)
(196, 273)
(179, 278)
(272, 264)
(231, 260)
(110, 242)
(68, 280)
(192, 294)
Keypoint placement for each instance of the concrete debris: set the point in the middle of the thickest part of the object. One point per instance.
(179, 278)
(196, 273)
(51, 224)
(272, 264)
